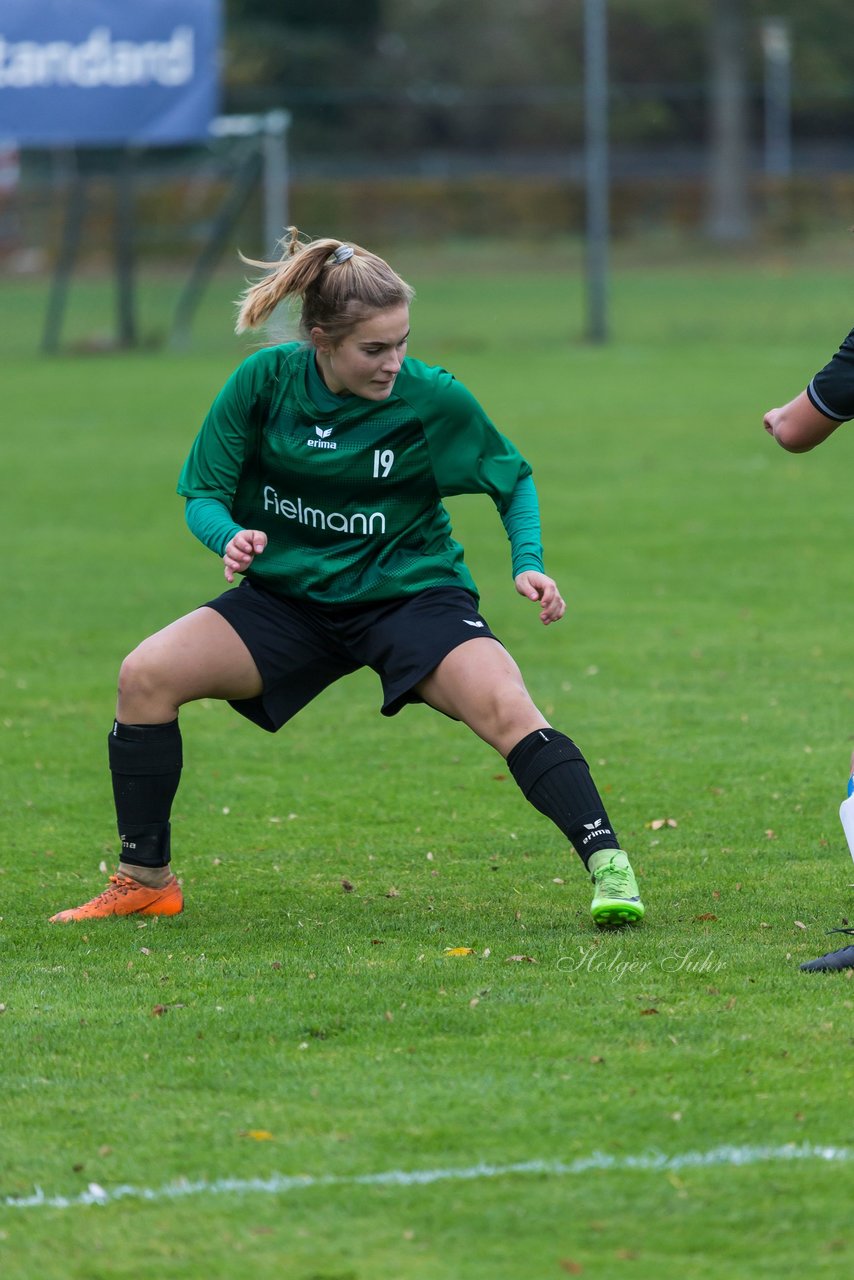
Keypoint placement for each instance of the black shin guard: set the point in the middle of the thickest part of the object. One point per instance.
(145, 761)
(553, 774)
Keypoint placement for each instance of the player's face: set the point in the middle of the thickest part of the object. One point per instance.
(368, 360)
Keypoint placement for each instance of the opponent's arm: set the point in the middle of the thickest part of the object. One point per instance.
(798, 426)
(815, 414)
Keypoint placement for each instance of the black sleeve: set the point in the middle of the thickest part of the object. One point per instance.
(832, 389)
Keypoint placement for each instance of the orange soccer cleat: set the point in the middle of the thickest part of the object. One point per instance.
(127, 897)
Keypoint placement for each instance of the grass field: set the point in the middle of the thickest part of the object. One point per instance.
(294, 1079)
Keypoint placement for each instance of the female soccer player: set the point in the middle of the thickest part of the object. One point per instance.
(318, 475)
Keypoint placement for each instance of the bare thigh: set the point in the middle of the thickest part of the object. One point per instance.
(198, 656)
(480, 684)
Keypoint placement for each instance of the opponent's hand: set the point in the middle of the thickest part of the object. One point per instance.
(242, 550)
(538, 586)
(770, 420)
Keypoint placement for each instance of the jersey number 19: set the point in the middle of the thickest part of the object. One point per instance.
(383, 462)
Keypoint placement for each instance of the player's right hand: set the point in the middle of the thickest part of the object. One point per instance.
(242, 550)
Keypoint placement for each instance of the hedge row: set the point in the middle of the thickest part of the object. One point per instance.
(174, 216)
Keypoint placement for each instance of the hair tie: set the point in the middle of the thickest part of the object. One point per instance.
(343, 252)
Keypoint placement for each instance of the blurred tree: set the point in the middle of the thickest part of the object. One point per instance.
(342, 14)
(307, 55)
(394, 76)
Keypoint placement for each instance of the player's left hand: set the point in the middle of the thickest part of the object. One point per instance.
(540, 587)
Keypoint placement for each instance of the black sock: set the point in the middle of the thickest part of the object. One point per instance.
(145, 761)
(553, 774)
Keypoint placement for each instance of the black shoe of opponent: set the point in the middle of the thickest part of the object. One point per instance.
(842, 959)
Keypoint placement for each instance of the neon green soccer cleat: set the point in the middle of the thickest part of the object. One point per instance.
(617, 898)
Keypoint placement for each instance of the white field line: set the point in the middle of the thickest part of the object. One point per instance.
(278, 1184)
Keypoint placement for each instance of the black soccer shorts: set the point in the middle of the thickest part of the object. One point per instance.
(301, 647)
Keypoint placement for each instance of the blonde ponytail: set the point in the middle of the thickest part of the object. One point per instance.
(338, 285)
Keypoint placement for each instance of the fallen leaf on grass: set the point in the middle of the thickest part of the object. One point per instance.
(459, 951)
(257, 1135)
(393, 893)
(159, 1010)
(646, 1012)
(347, 886)
(524, 959)
(707, 915)
(658, 823)
(800, 924)
(571, 1267)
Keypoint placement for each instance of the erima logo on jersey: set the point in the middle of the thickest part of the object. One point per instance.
(470, 623)
(363, 522)
(595, 829)
(322, 441)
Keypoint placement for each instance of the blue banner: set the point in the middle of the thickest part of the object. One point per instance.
(108, 72)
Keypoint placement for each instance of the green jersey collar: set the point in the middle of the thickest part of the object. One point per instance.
(318, 392)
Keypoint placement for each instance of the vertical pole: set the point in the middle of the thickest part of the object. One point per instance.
(123, 228)
(75, 210)
(596, 166)
(777, 48)
(728, 220)
(275, 178)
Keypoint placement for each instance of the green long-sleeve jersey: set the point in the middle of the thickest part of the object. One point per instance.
(349, 491)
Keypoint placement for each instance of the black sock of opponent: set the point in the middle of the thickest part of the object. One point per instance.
(145, 761)
(553, 774)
